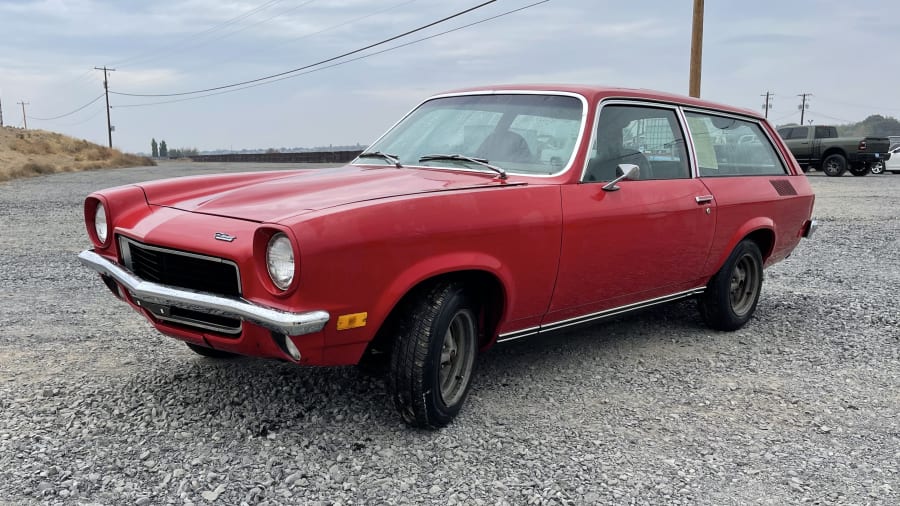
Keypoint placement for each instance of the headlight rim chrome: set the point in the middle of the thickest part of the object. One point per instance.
(280, 280)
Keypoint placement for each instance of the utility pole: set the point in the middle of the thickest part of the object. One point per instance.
(106, 92)
(1, 112)
(803, 105)
(768, 104)
(24, 119)
(696, 49)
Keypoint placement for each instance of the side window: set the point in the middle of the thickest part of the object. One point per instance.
(648, 137)
(800, 133)
(826, 132)
(784, 133)
(732, 147)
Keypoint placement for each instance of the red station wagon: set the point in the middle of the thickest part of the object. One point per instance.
(484, 215)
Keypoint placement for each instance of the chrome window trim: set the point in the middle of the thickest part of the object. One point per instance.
(127, 262)
(566, 168)
(599, 315)
(638, 102)
(749, 119)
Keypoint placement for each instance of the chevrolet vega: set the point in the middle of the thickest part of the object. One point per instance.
(484, 215)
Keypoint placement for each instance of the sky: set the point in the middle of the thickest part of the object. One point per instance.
(840, 52)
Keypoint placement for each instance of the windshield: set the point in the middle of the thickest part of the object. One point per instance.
(520, 133)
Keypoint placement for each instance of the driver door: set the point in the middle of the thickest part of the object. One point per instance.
(648, 239)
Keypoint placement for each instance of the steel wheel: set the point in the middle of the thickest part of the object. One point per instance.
(745, 283)
(731, 295)
(457, 356)
(433, 359)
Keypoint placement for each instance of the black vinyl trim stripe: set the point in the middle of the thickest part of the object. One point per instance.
(608, 313)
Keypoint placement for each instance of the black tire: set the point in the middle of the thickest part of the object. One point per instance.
(834, 165)
(859, 171)
(732, 294)
(209, 352)
(878, 167)
(433, 359)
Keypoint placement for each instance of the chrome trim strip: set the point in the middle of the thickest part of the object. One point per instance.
(785, 165)
(202, 325)
(292, 324)
(599, 315)
(518, 334)
(637, 102)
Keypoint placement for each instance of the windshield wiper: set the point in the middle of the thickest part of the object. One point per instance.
(384, 156)
(479, 161)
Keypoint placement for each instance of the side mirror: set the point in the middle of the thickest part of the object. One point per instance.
(627, 171)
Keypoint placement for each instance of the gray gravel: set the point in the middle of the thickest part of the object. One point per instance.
(802, 405)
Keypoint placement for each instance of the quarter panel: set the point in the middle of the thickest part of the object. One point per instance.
(749, 203)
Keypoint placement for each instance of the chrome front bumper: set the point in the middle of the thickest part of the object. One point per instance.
(287, 323)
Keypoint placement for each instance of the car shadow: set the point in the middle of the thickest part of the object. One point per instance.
(256, 398)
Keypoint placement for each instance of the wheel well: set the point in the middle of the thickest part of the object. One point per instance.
(833, 151)
(486, 288)
(764, 239)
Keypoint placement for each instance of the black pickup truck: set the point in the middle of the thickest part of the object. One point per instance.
(819, 147)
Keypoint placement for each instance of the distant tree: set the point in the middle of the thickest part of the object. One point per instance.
(154, 148)
(163, 150)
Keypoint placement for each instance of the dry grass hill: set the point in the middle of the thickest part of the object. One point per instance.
(25, 153)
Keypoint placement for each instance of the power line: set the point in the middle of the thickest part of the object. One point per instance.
(328, 60)
(392, 48)
(156, 54)
(98, 97)
(306, 36)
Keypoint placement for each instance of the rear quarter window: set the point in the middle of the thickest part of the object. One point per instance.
(727, 146)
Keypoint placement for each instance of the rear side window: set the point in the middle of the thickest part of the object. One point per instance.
(826, 132)
(728, 146)
(799, 133)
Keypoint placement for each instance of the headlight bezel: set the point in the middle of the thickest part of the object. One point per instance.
(92, 208)
(261, 240)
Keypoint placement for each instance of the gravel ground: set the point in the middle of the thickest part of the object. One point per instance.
(802, 405)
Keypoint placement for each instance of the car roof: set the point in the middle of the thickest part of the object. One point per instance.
(595, 93)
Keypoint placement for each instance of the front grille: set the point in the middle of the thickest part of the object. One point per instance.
(181, 269)
(184, 270)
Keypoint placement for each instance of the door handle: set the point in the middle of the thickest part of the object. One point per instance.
(703, 199)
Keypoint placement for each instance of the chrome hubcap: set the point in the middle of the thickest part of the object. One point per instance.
(457, 356)
(745, 281)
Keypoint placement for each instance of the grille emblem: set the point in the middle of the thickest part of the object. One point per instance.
(222, 236)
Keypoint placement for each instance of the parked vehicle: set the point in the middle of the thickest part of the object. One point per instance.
(819, 147)
(485, 215)
(892, 164)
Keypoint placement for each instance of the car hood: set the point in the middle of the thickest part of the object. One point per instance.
(274, 196)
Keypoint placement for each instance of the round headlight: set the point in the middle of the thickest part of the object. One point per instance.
(100, 227)
(280, 261)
